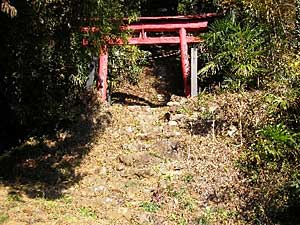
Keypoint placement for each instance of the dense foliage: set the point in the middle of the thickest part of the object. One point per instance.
(235, 53)
(125, 64)
(43, 64)
(256, 46)
(40, 61)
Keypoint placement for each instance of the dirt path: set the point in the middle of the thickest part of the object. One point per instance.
(147, 167)
(147, 171)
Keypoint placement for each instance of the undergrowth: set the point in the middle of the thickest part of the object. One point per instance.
(254, 94)
(264, 126)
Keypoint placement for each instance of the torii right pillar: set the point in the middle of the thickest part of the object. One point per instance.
(102, 73)
(185, 65)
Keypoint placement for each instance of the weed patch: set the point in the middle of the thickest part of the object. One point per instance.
(151, 207)
(3, 218)
(87, 213)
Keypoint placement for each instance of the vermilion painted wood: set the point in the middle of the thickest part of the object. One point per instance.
(150, 41)
(85, 42)
(185, 66)
(161, 40)
(102, 73)
(89, 29)
(161, 27)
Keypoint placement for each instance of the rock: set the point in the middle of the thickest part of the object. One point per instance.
(134, 108)
(99, 189)
(126, 160)
(135, 147)
(143, 173)
(173, 109)
(108, 200)
(134, 159)
(143, 218)
(160, 97)
(168, 148)
(123, 211)
(177, 117)
(177, 134)
(147, 109)
(129, 129)
(120, 168)
(176, 98)
(172, 123)
(173, 104)
(142, 159)
(183, 100)
(232, 131)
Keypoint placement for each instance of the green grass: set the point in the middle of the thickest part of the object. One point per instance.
(3, 218)
(67, 199)
(49, 204)
(212, 215)
(206, 218)
(203, 220)
(87, 213)
(150, 207)
(14, 197)
(188, 178)
(179, 219)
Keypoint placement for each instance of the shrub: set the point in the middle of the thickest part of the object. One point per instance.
(272, 163)
(234, 52)
(125, 64)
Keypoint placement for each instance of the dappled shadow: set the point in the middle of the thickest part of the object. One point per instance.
(170, 81)
(155, 87)
(274, 184)
(160, 80)
(288, 215)
(281, 208)
(45, 166)
(205, 126)
(129, 99)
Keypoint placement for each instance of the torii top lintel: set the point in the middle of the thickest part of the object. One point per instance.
(191, 23)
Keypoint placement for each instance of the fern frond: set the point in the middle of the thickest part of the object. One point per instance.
(209, 67)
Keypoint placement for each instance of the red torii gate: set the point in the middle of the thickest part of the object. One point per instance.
(180, 24)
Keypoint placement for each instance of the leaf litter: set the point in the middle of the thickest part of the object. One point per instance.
(142, 169)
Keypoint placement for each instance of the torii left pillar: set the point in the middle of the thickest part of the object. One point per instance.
(102, 73)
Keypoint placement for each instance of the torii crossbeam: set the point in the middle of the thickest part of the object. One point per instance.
(180, 24)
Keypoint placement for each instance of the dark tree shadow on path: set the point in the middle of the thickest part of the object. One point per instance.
(45, 166)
